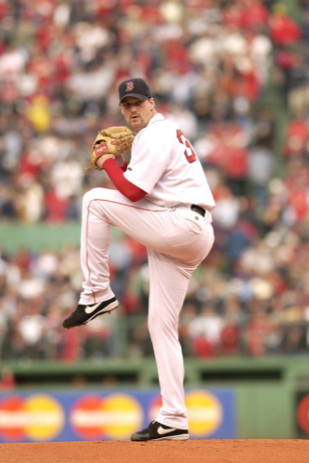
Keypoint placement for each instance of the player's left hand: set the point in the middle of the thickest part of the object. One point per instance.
(114, 141)
(102, 159)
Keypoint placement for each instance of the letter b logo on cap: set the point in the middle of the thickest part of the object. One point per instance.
(129, 86)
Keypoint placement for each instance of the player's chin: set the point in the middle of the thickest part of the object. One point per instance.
(136, 125)
(135, 121)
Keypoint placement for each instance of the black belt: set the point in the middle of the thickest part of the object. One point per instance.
(200, 210)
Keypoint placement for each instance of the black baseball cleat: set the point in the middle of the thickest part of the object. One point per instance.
(158, 431)
(84, 313)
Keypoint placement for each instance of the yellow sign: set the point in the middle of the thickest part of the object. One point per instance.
(204, 412)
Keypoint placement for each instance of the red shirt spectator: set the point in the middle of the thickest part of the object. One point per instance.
(246, 84)
(283, 30)
(257, 330)
(43, 68)
(231, 16)
(3, 9)
(151, 13)
(30, 163)
(55, 207)
(298, 200)
(230, 340)
(202, 348)
(297, 128)
(254, 14)
(297, 133)
(235, 162)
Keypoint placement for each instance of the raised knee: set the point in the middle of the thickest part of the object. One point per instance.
(90, 195)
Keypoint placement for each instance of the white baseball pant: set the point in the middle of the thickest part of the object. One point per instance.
(177, 240)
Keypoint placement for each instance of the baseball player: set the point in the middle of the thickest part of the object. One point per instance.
(163, 202)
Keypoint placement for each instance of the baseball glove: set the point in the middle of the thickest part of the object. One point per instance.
(114, 140)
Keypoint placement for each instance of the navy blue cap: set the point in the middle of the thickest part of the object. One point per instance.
(134, 87)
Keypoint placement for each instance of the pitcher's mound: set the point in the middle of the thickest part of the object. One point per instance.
(191, 451)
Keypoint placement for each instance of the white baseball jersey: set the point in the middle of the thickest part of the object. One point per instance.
(164, 165)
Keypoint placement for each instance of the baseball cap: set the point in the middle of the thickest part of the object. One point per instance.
(134, 87)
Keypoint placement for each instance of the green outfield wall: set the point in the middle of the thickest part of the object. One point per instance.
(40, 236)
(268, 390)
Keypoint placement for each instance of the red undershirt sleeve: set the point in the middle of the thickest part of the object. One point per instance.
(124, 167)
(126, 188)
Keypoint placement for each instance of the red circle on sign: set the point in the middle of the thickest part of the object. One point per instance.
(154, 408)
(13, 418)
(303, 414)
(87, 417)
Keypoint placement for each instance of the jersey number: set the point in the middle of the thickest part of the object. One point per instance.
(189, 153)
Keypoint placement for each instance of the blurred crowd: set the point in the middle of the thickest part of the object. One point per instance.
(234, 76)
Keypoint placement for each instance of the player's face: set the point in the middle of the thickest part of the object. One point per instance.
(137, 113)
